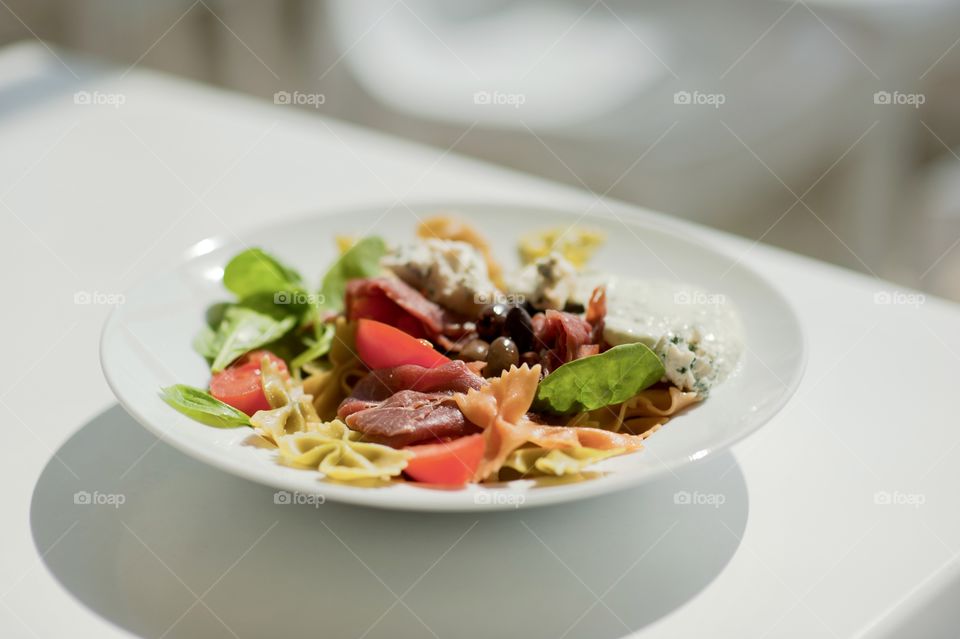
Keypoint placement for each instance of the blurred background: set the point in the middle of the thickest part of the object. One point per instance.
(828, 127)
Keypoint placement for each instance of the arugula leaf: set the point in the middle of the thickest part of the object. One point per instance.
(256, 271)
(599, 380)
(241, 331)
(360, 260)
(315, 348)
(203, 407)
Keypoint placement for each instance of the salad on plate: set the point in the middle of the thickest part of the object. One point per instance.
(428, 361)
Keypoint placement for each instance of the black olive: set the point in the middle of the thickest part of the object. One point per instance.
(574, 307)
(530, 358)
(502, 355)
(519, 327)
(490, 324)
(474, 351)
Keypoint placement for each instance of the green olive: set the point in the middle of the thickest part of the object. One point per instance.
(502, 355)
(474, 351)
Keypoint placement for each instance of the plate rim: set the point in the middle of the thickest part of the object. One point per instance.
(362, 496)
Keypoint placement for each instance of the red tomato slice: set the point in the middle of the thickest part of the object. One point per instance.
(380, 345)
(254, 358)
(240, 385)
(451, 463)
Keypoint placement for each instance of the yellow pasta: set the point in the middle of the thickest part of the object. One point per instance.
(333, 385)
(332, 448)
(642, 414)
(576, 244)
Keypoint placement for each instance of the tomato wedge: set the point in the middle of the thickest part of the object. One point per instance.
(240, 384)
(451, 463)
(380, 345)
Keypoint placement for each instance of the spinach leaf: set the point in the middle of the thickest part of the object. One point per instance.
(256, 271)
(599, 380)
(317, 347)
(360, 260)
(241, 331)
(203, 407)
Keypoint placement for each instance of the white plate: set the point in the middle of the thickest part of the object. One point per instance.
(146, 344)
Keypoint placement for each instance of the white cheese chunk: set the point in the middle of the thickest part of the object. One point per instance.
(452, 274)
(549, 282)
(697, 335)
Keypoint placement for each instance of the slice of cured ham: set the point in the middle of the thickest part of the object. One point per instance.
(409, 404)
(394, 302)
(564, 334)
(409, 417)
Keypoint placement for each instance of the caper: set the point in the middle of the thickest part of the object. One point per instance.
(490, 324)
(502, 355)
(519, 327)
(474, 351)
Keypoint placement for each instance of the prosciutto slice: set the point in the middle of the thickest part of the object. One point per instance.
(500, 409)
(409, 404)
(394, 302)
(409, 417)
(453, 377)
(566, 336)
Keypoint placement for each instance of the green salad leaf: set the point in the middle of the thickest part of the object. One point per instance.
(596, 381)
(256, 271)
(360, 260)
(316, 348)
(241, 331)
(203, 407)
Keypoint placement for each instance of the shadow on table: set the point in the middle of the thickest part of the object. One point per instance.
(160, 544)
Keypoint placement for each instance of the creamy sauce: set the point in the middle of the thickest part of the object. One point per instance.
(698, 335)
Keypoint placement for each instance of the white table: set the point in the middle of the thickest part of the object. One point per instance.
(94, 197)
